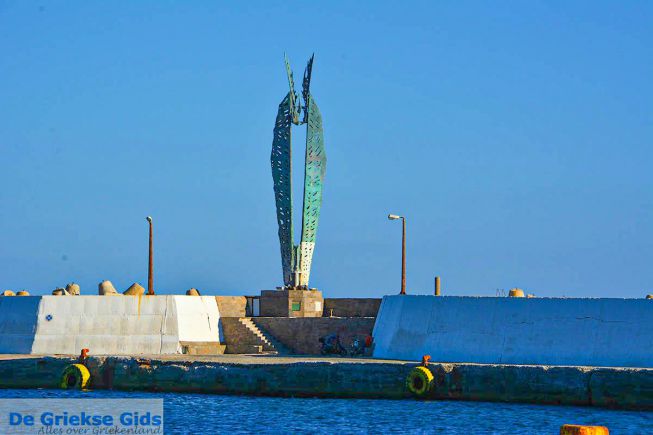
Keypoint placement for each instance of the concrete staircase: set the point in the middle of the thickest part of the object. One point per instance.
(271, 344)
(242, 336)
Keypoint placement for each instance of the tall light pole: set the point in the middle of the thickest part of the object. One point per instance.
(393, 217)
(150, 269)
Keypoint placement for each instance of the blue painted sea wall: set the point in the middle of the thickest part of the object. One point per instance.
(507, 330)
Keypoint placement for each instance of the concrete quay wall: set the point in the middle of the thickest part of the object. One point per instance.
(346, 378)
(493, 330)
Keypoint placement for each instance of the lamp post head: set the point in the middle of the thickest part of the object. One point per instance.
(149, 219)
(394, 217)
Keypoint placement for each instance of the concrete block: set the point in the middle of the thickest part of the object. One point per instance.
(106, 287)
(134, 290)
(118, 326)
(73, 289)
(489, 330)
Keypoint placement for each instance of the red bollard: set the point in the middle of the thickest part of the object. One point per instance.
(82, 356)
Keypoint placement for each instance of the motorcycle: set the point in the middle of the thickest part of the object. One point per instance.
(357, 348)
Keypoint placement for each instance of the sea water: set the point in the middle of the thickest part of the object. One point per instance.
(215, 414)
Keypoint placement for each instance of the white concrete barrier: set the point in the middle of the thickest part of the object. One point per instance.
(544, 331)
(197, 319)
(110, 325)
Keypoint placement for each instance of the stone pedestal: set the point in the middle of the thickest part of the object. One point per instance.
(291, 303)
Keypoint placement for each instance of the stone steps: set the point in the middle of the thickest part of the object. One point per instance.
(243, 336)
(278, 346)
(266, 343)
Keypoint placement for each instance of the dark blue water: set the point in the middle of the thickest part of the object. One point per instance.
(212, 414)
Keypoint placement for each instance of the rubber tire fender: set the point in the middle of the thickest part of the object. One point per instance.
(419, 381)
(75, 377)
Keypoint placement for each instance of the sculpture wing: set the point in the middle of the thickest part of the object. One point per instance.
(294, 105)
(315, 170)
(280, 159)
(306, 84)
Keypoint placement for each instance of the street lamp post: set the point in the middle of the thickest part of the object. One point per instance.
(393, 217)
(150, 268)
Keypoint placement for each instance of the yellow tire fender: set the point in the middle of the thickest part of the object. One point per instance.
(75, 377)
(419, 381)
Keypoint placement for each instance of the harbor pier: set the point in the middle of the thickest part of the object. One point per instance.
(307, 376)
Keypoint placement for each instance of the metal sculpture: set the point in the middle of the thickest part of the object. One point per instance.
(296, 259)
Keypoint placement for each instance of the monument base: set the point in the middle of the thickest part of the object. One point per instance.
(291, 303)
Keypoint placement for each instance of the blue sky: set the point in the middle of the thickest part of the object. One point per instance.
(515, 136)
